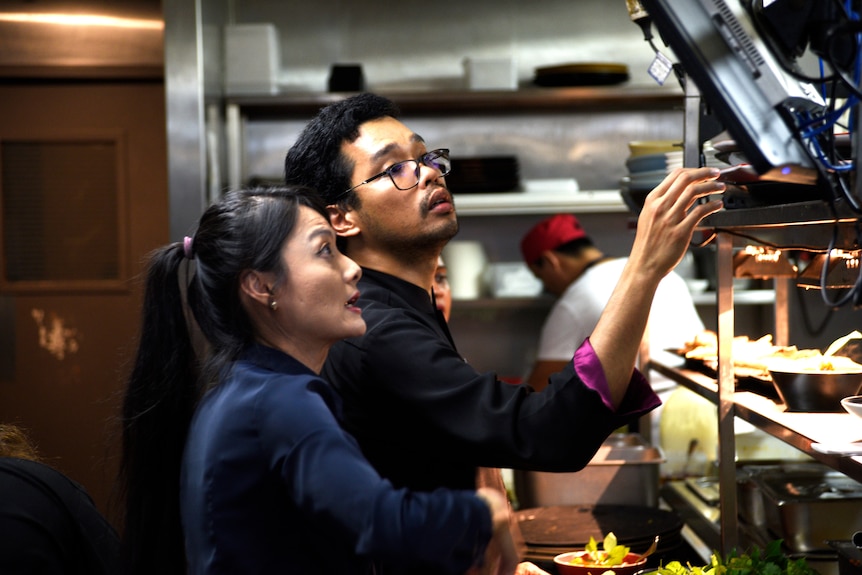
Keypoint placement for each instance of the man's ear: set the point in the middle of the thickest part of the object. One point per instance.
(343, 221)
(256, 286)
(550, 260)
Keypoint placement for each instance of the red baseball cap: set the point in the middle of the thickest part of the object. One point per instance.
(550, 234)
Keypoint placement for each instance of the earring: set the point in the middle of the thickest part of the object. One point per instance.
(273, 305)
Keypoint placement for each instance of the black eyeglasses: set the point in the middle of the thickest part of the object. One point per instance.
(405, 175)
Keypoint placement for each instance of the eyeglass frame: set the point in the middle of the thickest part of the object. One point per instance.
(420, 161)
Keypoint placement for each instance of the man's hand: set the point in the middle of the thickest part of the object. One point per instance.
(669, 217)
(665, 227)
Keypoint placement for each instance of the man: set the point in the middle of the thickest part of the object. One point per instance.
(423, 416)
(570, 266)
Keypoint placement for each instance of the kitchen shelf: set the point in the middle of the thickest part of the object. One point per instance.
(810, 223)
(744, 297)
(740, 297)
(527, 99)
(797, 429)
(521, 203)
(516, 303)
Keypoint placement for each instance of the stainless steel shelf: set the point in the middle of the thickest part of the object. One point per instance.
(540, 303)
(804, 224)
(520, 203)
(740, 297)
(530, 99)
(799, 430)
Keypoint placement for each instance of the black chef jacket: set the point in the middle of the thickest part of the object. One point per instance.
(425, 418)
(50, 526)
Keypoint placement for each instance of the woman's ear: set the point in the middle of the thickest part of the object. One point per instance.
(343, 221)
(256, 286)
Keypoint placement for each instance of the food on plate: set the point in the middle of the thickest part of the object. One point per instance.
(611, 559)
(610, 554)
(816, 364)
(760, 356)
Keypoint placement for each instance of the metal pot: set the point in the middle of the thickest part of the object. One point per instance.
(807, 504)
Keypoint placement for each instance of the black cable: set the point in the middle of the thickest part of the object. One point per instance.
(806, 319)
(800, 248)
(645, 25)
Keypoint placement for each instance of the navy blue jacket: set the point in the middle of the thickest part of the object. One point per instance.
(272, 484)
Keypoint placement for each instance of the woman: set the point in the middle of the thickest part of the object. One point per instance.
(268, 482)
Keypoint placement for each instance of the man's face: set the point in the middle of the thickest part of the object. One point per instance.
(400, 221)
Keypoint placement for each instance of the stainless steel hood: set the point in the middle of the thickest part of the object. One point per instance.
(57, 38)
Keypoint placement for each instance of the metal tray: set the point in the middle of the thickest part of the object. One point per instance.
(808, 504)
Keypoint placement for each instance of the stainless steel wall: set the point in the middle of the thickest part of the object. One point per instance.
(414, 44)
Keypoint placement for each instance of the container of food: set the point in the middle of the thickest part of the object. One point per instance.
(808, 504)
(624, 471)
(815, 391)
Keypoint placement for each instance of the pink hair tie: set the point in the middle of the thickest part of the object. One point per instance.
(187, 247)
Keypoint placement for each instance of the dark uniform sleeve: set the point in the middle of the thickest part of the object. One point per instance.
(426, 417)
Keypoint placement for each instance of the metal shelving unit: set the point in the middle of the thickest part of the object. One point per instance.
(814, 223)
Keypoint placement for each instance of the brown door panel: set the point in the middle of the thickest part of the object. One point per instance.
(71, 344)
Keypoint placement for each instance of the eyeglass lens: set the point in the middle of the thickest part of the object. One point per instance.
(405, 174)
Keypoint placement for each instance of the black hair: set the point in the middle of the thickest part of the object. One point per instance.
(316, 161)
(246, 229)
(575, 247)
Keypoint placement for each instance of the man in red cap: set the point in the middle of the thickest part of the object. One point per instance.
(561, 254)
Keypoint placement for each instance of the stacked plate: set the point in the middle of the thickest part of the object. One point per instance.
(487, 174)
(582, 74)
(648, 164)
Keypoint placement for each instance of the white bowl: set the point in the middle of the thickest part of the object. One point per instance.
(853, 404)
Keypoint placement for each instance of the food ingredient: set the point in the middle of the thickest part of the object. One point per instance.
(757, 357)
(768, 561)
(610, 554)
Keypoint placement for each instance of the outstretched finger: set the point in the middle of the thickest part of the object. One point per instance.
(680, 179)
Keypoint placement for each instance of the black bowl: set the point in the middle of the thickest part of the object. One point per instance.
(818, 391)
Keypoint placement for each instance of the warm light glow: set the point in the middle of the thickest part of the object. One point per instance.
(763, 254)
(82, 20)
(762, 262)
(851, 258)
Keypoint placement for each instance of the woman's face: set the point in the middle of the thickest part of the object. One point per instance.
(317, 299)
(442, 291)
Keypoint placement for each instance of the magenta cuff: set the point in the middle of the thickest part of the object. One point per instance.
(639, 395)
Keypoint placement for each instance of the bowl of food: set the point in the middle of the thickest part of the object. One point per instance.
(853, 404)
(816, 386)
(618, 559)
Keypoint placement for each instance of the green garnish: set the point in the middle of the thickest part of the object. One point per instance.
(610, 553)
(769, 561)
